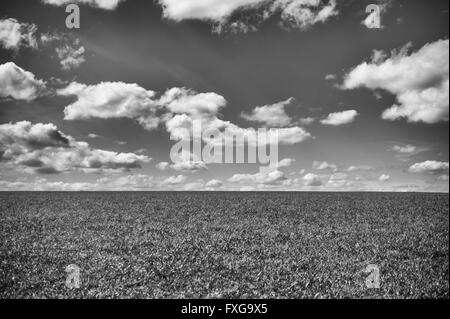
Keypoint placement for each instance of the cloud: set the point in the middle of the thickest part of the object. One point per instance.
(177, 108)
(340, 180)
(300, 14)
(384, 178)
(19, 84)
(406, 149)
(303, 14)
(163, 166)
(14, 35)
(274, 177)
(419, 80)
(287, 162)
(206, 10)
(71, 55)
(215, 183)
(102, 4)
(432, 167)
(360, 168)
(340, 118)
(312, 180)
(307, 120)
(109, 100)
(189, 166)
(271, 115)
(42, 148)
(174, 180)
(185, 101)
(324, 166)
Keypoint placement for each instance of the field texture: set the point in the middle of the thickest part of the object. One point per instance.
(224, 245)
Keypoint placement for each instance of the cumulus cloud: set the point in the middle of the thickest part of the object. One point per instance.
(177, 108)
(14, 34)
(174, 180)
(71, 56)
(312, 180)
(109, 100)
(432, 167)
(270, 115)
(340, 118)
(384, 178)
(340, 180)
(287, 162)
(185, 101)
(273, 177)
(419, 80)
(303, 14)
(214, 183)
(189, 166)
(19, 84)
(293, 13)
(42, 148)
(163, 166)
(102, 4)
(317, 165)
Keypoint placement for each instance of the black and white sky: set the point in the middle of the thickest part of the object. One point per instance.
(95, 108)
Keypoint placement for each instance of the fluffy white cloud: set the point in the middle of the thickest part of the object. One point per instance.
(215, 183)
(102, 4)
(293, 13)
(109, 100)
(174, 180)
(339, 180)
(270, 115)
(340, 118)
(177, 108)
(304, 13)
(42, 148)
(274, 177)
(71, 56)
(432, 167)
(419, 80)
(14, 34)
(317, 165)
(215, 10)
(312, 180)
(185, 101)
(384, 178)
(19, 84)
(287, 162)
(163, 166)
(189, 166)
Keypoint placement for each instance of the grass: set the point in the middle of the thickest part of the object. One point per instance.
(224, 245)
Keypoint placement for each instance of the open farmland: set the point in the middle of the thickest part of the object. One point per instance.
(224, 245)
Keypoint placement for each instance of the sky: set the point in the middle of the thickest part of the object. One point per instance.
(357, 106)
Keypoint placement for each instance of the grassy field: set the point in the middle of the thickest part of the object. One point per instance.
(224, 245)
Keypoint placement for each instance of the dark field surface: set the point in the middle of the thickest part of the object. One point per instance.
(224, 245)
